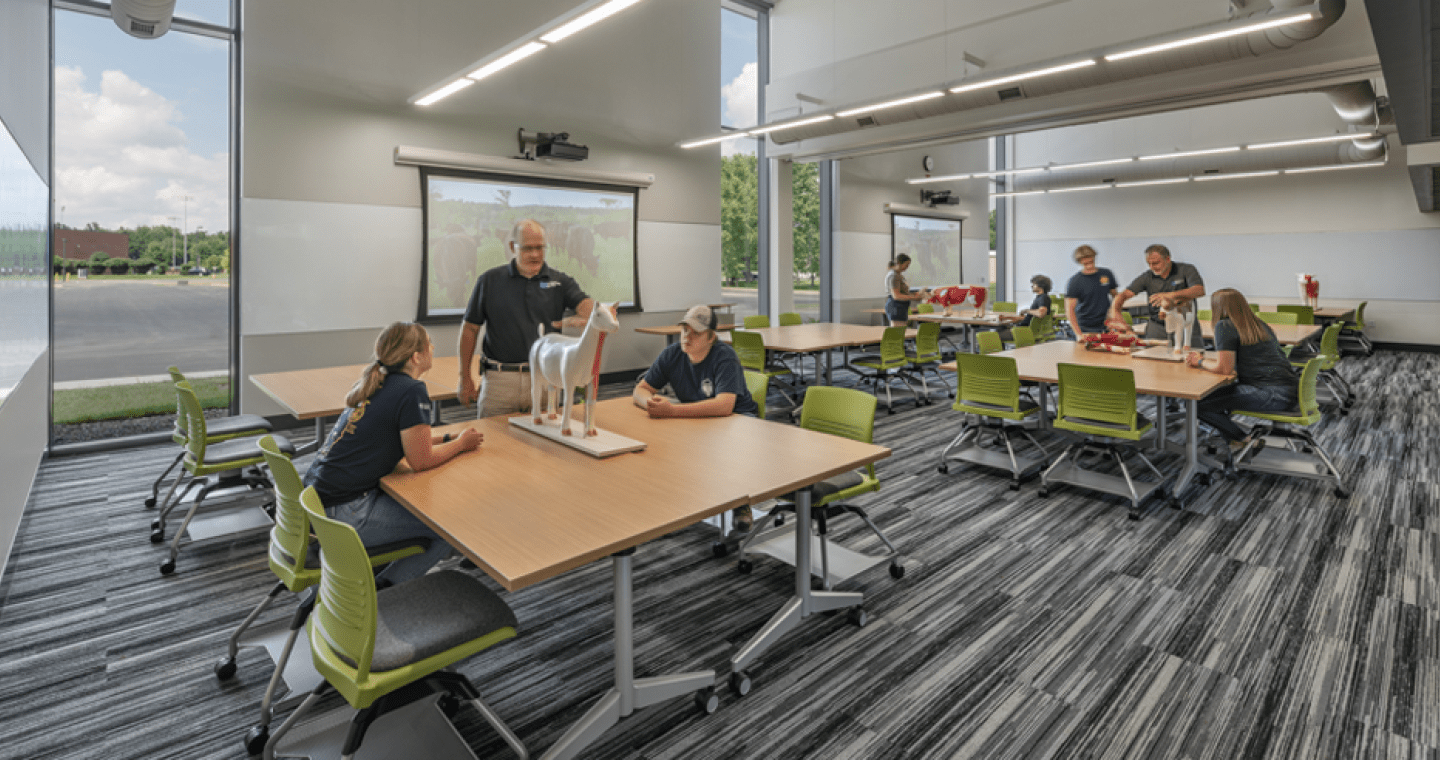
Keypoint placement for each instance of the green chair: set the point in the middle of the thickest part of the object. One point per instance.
(887, 366)
(1255, 307)
(1308, 459)
(1204, 315)
(1022, 337)
(217, 466)
(1057, 304)
(1278, 317)
(756, 321)
(750, 348)
(1043, 328)
(925, 357)
(925, 308)
(790, 318)
(220, 429)
(1125, 316)
(758, 383)
(1009, 307)
(989, 391)
(988, 342)
(1304, 314)
(370, 645)
(850, 414)
(1328, 353)
(1353, 341)
(298, 568)
(1099, 404)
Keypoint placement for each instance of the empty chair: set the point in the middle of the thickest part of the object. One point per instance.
(1328, 352)
(219, 429)
(1022, 336)
(1043, 328)
(1203, 315)
(1009, 307)
(925, 357)
(989, 391)
(750, 348)
(1309, 459)
(1353, 340)
(789, 319)
(925, 308)
(756, 321)
(1278, 317)
(887, 367)
(1304, 315)
(988, 342)
(370, 644)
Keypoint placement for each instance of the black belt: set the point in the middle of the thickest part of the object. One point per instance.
(503, 367)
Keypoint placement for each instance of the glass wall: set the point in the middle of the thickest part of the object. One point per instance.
(24, 291)
(739, 171)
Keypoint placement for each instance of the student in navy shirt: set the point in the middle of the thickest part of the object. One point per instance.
(1087, 297)
(1265, 381)
(388, 417)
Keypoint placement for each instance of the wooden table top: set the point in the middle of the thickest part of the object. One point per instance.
(820, 336)
(1039, 362)
(525, 508)
(1288, 335)
(992, 319)
(1334, 312)
(310, 393)
(675, 329)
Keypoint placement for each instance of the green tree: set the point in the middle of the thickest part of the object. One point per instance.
(117, 266)
(739, 217)
(992, 229)
(805, 204)
(99, 258)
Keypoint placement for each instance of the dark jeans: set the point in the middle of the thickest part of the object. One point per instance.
(1215, 409)
(897, 311)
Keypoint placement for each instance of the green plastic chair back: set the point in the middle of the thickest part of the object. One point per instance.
(182, 426)
(758, 383)
(1304, 315)
(757, 321)
(1125, 315)
(927, 344)
(290, 538)
(925, 308)
(1360, 315)
(1057, 305)
(991, 294)
(847, 413)
(750, 347)
(989, 386)
(1022, 336)
(988, 342)
(1309, 405)
(1043, 328)
(1255, 307)
(1006, 306)
(892, 352)
(195, 439)
(790, 318)
(1098, 401)
(1279, 317)
(1204, 315)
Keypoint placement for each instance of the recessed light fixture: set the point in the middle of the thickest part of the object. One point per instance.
(1088, 164)
(1242, 175)
(1143, 183)
(786, 125)
(1311, 141)
(446, 91)
(713, 140)
(1234, 32)
(512, 57)
(1189, 153)
(593, 17)
(945, 178)
(892, 103)
(1016, 194)
(1309, 169)
(1077, 189)
(1022, 77)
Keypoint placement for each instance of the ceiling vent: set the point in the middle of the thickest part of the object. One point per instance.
(866, 121)
(1012, 93)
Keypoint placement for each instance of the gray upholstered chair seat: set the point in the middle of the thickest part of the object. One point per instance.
(240, 423)
(433, 613)
(242, 449)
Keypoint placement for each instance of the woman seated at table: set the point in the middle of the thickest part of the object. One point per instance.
(388, 416)
(897, 292)
(1246, 347)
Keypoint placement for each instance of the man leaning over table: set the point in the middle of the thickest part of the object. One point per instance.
(1170, 285)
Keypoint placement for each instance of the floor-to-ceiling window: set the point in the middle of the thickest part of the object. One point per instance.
(739, 169)
(142, 201)
(805, 205)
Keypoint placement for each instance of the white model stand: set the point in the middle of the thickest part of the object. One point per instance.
(600, 445)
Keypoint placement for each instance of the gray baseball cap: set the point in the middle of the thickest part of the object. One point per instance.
(700, 318)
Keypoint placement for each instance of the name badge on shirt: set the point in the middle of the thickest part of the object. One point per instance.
(549, 284)
(707, 388)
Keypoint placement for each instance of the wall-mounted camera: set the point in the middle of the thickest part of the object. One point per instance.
(550, 145)
(939, 198)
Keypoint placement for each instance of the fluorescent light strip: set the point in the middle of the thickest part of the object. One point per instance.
(445, 92)
(1309, 169)
(1210, 37)
(713, 140)
(787, 125)
(514, 56)
(1188, 153)
(1077, 189)
(593, 17)
(1311, 141)
(1024, 76)
(1031, 170)
(1088, 164)
(1017, 194)
(945, 178)
(1209, 177)
(892, 103)
(1144, 183)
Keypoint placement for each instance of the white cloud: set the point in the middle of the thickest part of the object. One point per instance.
(739, 98)
(122, 160)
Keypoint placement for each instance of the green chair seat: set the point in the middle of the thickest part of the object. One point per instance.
(988, 388)
(1100, 403)
(1295, 422)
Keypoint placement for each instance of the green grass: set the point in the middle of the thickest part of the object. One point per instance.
(119, 402)
(130, 276)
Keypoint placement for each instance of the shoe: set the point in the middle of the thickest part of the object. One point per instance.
(1238, 446)
(741, 520)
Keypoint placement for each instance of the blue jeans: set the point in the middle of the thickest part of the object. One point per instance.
(897, 311)
(1215, 409)
(379, 519)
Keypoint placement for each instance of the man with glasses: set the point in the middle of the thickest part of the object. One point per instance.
(511, 302)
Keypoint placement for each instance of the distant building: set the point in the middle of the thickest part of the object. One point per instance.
(80, 245)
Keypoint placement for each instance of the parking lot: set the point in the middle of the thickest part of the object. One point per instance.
(128, 328)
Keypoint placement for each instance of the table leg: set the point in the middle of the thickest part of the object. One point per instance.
(314, 445)
(1160, 423)
(629, 694)
(1192, 447)
(806, 601)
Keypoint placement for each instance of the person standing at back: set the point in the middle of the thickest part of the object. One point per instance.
(897, 292)
(1170, 285)
(1087, 296)
(511, 302)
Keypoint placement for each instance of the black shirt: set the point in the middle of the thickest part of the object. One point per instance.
(364, 446)
(1042, 301)
(1092, 293)
(514, 306)
(719, 372)
(1260, 364)
(1182, 276)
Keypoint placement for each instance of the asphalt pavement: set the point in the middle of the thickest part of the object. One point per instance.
(126, 328)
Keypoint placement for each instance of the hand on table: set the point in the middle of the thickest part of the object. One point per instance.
(659, 406)
(1194, 359)
(469, 439)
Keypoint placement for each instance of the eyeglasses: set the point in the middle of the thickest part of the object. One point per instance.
(541, 248)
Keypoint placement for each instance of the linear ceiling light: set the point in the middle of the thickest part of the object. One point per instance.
(1030, 170)
(1312, 141)
(1021, 77)
(1309, 169)
(892, 103)
(593, 17)
(1239, 30)
(788, 124)
(514, 56)
(1077, 189)
(1209, 177)
(446, 91)
(1143, 183)
(1016, 194)
(1188, 153)
(945, 178)
(713, 140)
(1088, 164)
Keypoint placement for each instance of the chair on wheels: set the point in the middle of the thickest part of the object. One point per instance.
(850, 414)
(750, 348)
(756, 321)
(297, 568)
(888, 366)
(1328, 353)
(989, 389)
(1099, 403)
(220, 465)
(221, 429)
(789, 319)
(1310, 460)
(925, 357)
(758, 383)
(1279, 317)
(1022, 337)
(1304, 315)
(385, 650)
(988, 342)
(1044, 328)
(1353, 341)
(1009, 307)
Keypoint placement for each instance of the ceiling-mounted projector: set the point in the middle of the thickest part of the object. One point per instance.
(146, 19)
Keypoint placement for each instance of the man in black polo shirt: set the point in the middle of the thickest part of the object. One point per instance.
(511, 301)
(1170, 285)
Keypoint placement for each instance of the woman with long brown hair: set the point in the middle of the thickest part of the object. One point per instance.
(387, 417)
(897, 292)
(1246, 347)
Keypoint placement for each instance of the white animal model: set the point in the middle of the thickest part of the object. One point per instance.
(561, 363)
(1178, 322)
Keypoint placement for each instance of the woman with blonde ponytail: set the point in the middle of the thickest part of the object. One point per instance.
(387, 417)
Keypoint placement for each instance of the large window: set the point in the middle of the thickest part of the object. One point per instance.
(739, 170)
(23, 307)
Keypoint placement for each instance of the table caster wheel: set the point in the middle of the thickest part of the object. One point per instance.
(858, 617)
(719, 549)
(897, 571)
(157, 536)
(1341, 492)
(225, 669)
(168, 567)
(255, 740)
(740, 683)
(744, 566)
(943, 469)
(1044, 492)
(150, 503)
(1014, 485)
(707, 700)
(448, 705)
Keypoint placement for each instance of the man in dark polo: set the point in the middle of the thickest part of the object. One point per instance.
(511, 301)
(1170, 284)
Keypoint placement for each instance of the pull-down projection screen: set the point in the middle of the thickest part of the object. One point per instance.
(934, 246)
(590, 230)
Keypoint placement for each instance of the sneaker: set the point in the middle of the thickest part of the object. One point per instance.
(1238, 446)
(741, 520)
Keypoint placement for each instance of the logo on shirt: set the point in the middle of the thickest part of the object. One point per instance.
(549, 284)
(1104, 280)
(707, 387)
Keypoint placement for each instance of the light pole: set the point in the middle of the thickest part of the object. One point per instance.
(185, 231)
(173, 220)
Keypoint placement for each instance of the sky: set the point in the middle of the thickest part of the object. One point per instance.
(142, 124)
(738, 73)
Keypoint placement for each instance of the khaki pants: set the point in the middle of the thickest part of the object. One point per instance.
(504, 393)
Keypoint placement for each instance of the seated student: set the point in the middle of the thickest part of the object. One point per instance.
(387, 417)
(1247, 348)
(1039, 307)
(706, 377)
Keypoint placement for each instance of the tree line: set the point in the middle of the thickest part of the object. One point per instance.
(153, 248)
(740, 219)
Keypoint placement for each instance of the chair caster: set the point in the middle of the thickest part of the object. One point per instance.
(1044, 492)
(1176, 502)
(1341, 492)
(157, 536)
(168, 567)
(256, 739)
(719, 549)
(779, 520)
(1134, 515)
(448, 704)
(150, 503)
(1203, 478)
(707, 700)
(897, 571)
(1014, 485)
(740, 683)
(943, 469)
(857, 617)
(744, 566)
(889, 410)
(225, 669)
(155, 525)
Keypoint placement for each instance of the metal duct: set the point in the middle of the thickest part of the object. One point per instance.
(1357, 105)
(1105, 72)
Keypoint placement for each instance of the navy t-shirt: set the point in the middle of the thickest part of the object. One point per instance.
(719, 372)
(364, 446)
(1042, 301)
(1092, 293)
(1260, 364)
